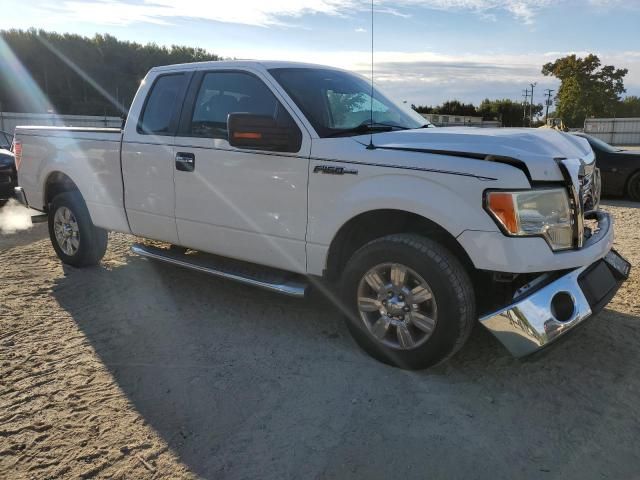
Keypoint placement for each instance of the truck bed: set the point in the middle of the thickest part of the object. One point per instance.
(92, 154)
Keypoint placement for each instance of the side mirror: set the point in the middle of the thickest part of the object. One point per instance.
(260, 132)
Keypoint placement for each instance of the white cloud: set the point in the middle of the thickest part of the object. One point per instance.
(267, 13)
(430, 77)
(523, 10)
(248, 12)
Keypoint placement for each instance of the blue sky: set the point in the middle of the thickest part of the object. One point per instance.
(426, 51)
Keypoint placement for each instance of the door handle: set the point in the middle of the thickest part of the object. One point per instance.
(185, 161)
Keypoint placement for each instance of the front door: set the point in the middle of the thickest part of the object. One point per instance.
(245, 204)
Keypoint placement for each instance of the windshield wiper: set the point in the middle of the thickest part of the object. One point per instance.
(367, 128)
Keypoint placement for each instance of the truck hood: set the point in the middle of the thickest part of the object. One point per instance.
(535, 149)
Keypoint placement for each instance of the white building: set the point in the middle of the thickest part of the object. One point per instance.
(445, 120)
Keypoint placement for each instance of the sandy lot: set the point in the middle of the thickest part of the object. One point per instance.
(140, 370)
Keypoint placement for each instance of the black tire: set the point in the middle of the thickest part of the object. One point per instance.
(633, 187)
(449, 282)
(92, 240)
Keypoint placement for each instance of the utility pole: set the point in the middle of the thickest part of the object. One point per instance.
(548, 92)
(531, 107)
(525, 94)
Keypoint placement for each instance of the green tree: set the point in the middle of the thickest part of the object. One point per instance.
(450, 107)
(587, 88)
(81, 75)
(455, 107)
(423, 108)
(510, 113)
(629, 107)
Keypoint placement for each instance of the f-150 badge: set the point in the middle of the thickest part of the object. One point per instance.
(333, 170)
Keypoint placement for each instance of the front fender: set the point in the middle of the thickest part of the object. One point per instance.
(454, 202)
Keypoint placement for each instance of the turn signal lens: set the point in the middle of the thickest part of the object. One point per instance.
(248, 135)
(503, 207)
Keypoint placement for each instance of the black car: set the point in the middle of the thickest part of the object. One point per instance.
(8, 177)
(6, 139)
(620, 168)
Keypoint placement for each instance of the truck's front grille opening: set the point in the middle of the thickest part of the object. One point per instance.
(590, 188)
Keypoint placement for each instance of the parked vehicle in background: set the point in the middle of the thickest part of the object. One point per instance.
(8, 177)
(6, 139)
(620, 168)
(555, 124)
(295, 174)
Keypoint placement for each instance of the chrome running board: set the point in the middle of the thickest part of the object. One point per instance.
(255, 275)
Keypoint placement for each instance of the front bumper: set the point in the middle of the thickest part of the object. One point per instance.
(545, 315)
(495, 252)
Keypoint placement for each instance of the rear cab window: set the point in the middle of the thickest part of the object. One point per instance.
(160, 111)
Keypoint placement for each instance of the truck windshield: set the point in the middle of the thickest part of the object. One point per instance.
(338, 102)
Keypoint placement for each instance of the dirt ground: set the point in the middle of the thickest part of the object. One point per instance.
(141, 370)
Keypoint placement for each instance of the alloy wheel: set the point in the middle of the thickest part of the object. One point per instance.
(67, 232)
(397, 306)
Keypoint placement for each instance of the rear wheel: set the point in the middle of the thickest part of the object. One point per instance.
(633, 187)
(411, 303)
(75, 239)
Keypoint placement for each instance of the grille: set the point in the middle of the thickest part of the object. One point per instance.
(590, 188)
(583, 183)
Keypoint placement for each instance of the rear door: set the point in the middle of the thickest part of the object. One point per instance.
(148, 160)
(245, 204)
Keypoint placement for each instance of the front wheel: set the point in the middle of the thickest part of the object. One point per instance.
(76, 240)
(411, 303)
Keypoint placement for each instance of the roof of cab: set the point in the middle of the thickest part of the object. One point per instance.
(267, 64)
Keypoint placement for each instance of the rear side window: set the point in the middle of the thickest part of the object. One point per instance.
(222, 93)
(161, 105)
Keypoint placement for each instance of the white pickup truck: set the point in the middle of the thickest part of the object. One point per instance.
(283, 175)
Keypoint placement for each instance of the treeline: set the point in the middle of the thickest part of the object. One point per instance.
(587, 89)
(510, 113)
(629, 107)
(79, 75)
(513, 114)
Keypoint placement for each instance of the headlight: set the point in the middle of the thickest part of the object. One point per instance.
(530, 213)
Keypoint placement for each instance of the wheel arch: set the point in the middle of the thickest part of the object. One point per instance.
(57, 182)
(373, 224)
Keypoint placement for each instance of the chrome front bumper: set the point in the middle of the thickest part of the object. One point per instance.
(532, 322)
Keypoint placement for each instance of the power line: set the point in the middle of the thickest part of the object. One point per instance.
(525, 95)
(531, 106)
(548, 93)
